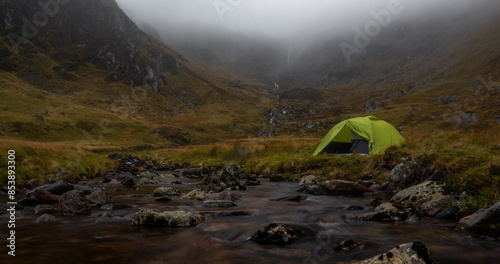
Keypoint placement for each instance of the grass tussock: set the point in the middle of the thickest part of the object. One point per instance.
(41, 160)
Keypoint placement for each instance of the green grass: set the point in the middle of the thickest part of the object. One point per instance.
(38, 160)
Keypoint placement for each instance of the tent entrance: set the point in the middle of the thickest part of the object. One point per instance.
(351, 142)
(358, 144)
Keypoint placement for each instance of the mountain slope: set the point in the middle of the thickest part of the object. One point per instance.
(90, 55)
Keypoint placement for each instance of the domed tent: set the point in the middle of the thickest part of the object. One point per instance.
(368, 135)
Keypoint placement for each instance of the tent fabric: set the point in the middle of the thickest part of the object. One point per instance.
(379, 134)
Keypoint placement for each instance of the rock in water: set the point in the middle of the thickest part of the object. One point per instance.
(166, 191)
(74, 202)
(148, 217)
(197, 194)
(225, 178)
(309, 180)
(490, 215)
(346, 187)
(58, 188)
(163, 199)
(434, 207)
(99, 197)
(414, 253)
(44, 209)
(278, 234)
(45, 197)
(293, 198)
(219, 203)
(419, 194)
(385, 212)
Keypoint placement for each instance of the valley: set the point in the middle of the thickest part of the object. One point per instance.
(84, 82)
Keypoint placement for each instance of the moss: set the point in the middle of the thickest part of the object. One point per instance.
(422, 252)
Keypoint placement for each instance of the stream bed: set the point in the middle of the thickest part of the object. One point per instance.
(107, 236)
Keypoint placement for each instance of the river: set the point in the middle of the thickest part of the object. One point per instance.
(108, 236)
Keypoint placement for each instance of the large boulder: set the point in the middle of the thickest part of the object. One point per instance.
(166, 191)
(99, 197)
(346, 187)
(419, 194)
(74, 202)
(279, 234)
(148, 217)
(385, 212)
(414, 253)
(490, 215)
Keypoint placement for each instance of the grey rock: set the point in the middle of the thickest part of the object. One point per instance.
(313, 189)
(226, 178)
(308, 180)
(432, 208)
(58, 188)
(99, 197)
(166, 191)
(279, 234)
(219, 203)
(385, 212)
(490, 215)
(197, 194)
(74, 202)
(148, 217)
(456, 211)
(419, 194)
(414, 253)
(336, 187)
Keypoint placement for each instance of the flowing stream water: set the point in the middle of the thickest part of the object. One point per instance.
(109, 237)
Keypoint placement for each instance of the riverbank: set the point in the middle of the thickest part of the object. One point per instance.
(347, 223)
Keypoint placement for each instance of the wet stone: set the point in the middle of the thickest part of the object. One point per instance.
(148, 217)
(279, 234)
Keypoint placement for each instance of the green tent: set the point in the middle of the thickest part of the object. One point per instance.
(368, 135)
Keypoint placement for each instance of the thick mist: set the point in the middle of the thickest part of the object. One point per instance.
(280, 18)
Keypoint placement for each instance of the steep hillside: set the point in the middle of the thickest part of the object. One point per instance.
(80, 62)
(418, 75)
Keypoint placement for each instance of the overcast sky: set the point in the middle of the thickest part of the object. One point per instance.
(277, 17)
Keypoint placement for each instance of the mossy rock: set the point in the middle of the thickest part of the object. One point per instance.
(148, 217)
